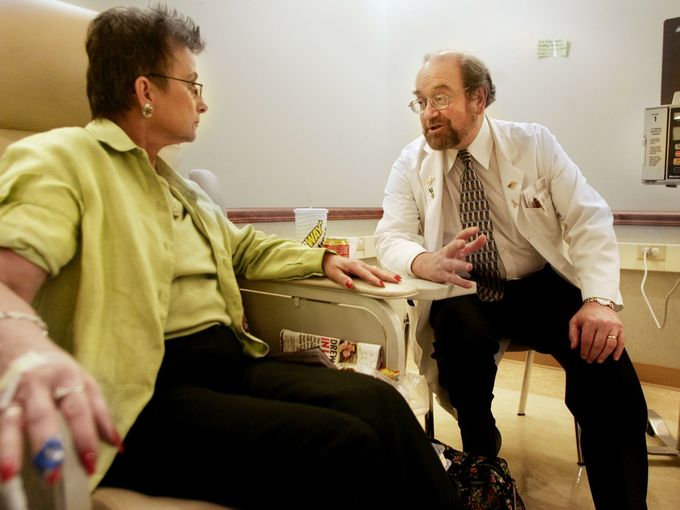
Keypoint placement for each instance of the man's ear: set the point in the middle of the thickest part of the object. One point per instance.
(479, 99)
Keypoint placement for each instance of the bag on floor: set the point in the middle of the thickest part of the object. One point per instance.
(484, 483)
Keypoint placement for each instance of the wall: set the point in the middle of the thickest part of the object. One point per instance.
(308, 104)
(309, 98)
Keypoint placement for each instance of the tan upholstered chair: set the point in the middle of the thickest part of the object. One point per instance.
(42, 86)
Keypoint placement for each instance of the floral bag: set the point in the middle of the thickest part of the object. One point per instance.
(484, 483)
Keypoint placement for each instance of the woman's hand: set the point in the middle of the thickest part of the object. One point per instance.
(38, 380)
(49, 382)
(341, 269)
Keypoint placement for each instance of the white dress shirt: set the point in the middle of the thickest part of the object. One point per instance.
(518, 257)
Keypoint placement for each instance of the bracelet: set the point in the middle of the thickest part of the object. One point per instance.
(12, 377)
(30, 317)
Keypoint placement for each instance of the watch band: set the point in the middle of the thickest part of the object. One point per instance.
(601, 301)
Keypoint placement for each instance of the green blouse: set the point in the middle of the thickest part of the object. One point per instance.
(86, 205)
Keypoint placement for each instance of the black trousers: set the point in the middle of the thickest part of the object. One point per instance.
(248, 433)
(606, 399)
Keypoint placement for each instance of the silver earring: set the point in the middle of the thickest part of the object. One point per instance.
(147, 110)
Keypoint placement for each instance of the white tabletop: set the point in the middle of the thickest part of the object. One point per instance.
(408, 288)
(432, 291)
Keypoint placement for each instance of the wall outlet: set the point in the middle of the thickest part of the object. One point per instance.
(654, 251)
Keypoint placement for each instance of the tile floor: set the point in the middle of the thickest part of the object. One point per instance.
(541, 447)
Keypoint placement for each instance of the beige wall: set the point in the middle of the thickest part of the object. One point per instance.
(309, 97)
(646, 343)
(331, 135)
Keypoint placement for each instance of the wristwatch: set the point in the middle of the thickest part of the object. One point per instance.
(601, 301)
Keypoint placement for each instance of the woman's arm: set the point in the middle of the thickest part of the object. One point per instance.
(38, 379)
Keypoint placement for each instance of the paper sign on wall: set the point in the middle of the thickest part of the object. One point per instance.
(553, 48)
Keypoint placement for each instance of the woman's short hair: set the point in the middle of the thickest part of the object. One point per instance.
(124, 43)
(474, 72)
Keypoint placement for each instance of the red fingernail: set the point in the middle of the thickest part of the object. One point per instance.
(53, 477)
(397, 277)
(381, 283)
(89, 461)
(7, 470)
(349, 284)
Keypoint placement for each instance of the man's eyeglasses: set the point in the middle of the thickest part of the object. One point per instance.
(438, 102)
(196, 89)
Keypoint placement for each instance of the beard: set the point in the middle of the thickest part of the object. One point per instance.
(448, 137)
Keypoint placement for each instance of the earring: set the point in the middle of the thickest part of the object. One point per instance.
(147, 110)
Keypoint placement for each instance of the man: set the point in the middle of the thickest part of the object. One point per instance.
(515, 183)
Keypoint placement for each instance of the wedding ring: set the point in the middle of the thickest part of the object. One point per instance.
(61, 392)
(12, 411)
(614, 337)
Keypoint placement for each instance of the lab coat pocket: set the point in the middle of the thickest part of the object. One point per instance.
(537, 199)
(539, 208)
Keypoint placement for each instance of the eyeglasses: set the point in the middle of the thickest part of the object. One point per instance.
(438, 102)
(196, 89)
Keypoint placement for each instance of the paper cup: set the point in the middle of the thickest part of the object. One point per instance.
(310, 226)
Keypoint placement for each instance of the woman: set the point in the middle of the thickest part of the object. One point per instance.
(134, 271)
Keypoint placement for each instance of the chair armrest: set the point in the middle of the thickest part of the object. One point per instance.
(402, 290)
(109, 498)
(319, 306)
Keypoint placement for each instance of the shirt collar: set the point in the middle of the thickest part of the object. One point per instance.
(110, 133)
(482, 146)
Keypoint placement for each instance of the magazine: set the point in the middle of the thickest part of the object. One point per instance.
(345, 354)
(314, 357)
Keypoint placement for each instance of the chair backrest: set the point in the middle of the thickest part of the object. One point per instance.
(42, 86)
(210, 184)
(42, 83)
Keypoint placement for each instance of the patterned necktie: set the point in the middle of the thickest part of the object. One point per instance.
(474, 211)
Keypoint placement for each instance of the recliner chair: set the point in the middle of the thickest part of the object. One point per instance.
(42, 86)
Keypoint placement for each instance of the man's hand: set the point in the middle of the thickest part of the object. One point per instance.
(599, 330)
(443, 265)
(340, 269)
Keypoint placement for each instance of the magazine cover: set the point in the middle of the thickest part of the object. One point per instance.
(343, 353)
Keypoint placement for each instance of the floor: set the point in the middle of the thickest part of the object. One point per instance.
(540, 447)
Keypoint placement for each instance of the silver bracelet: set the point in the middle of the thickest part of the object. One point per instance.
(30, 317)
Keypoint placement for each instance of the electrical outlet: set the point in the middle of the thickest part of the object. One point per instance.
(654, 252)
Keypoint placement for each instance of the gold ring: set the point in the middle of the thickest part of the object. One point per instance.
(614, 337)
(12, 411)
(61, 392)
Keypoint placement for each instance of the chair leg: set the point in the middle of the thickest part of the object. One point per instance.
(579, 452)
(429, 418)
(528, 364)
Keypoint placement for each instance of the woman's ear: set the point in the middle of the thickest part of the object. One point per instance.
(143, 91)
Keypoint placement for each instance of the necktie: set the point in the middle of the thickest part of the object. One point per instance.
(474, 211)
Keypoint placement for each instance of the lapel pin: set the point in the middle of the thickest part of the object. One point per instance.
(430, 180)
